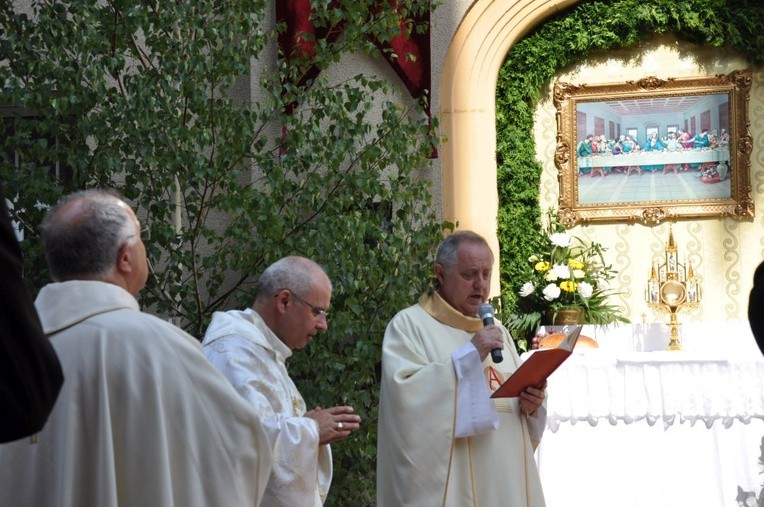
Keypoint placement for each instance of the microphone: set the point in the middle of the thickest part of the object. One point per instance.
(486, 315)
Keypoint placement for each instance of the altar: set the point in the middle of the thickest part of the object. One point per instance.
(631, 424)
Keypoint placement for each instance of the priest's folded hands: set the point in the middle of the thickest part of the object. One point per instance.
(334, 423)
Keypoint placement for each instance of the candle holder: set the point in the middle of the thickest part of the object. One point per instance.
(671, 287)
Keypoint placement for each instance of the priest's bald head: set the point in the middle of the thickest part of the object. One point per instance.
(293, 298)
(94, 235)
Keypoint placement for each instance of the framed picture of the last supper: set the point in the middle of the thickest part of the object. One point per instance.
(653, 149)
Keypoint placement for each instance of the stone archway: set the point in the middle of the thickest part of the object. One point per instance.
(468, 109)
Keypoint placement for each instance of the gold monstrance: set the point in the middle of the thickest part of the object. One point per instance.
(671, 287)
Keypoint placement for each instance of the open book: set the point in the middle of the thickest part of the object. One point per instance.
(539, 365)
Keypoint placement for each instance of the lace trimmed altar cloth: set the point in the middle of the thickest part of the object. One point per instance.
(632, 424)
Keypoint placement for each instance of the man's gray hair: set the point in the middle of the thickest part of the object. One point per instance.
(446, 254)
(88, 244)
(294, 273)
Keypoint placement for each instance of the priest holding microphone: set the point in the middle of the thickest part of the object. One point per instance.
(442, 439)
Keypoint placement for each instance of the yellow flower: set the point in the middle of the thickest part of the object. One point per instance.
(566, 272)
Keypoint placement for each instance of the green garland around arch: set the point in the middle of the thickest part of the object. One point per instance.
(564, 40)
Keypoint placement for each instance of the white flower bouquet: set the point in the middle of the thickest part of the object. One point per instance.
(568, 273)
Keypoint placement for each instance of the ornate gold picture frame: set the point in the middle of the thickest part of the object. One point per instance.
(652, 150)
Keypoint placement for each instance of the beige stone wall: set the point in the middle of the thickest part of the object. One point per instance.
(724, 252)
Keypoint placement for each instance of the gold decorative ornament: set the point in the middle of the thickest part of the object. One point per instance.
(671, 287)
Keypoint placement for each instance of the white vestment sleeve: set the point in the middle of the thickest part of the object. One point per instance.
(475, 410)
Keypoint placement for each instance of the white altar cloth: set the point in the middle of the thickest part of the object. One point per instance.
(652, 428)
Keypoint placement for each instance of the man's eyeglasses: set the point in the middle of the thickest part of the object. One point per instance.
(317, 312)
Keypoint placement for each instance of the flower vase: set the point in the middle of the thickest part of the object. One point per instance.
(566, 316)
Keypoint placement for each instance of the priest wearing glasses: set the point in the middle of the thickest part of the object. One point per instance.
(250, 347)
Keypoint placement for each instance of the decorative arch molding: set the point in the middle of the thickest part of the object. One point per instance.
(468, 109)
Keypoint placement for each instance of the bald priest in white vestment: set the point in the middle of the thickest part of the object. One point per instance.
(251, 347)
(442, 440)
(143, 419)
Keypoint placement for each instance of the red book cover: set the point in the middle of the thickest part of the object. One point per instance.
(537, 368)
